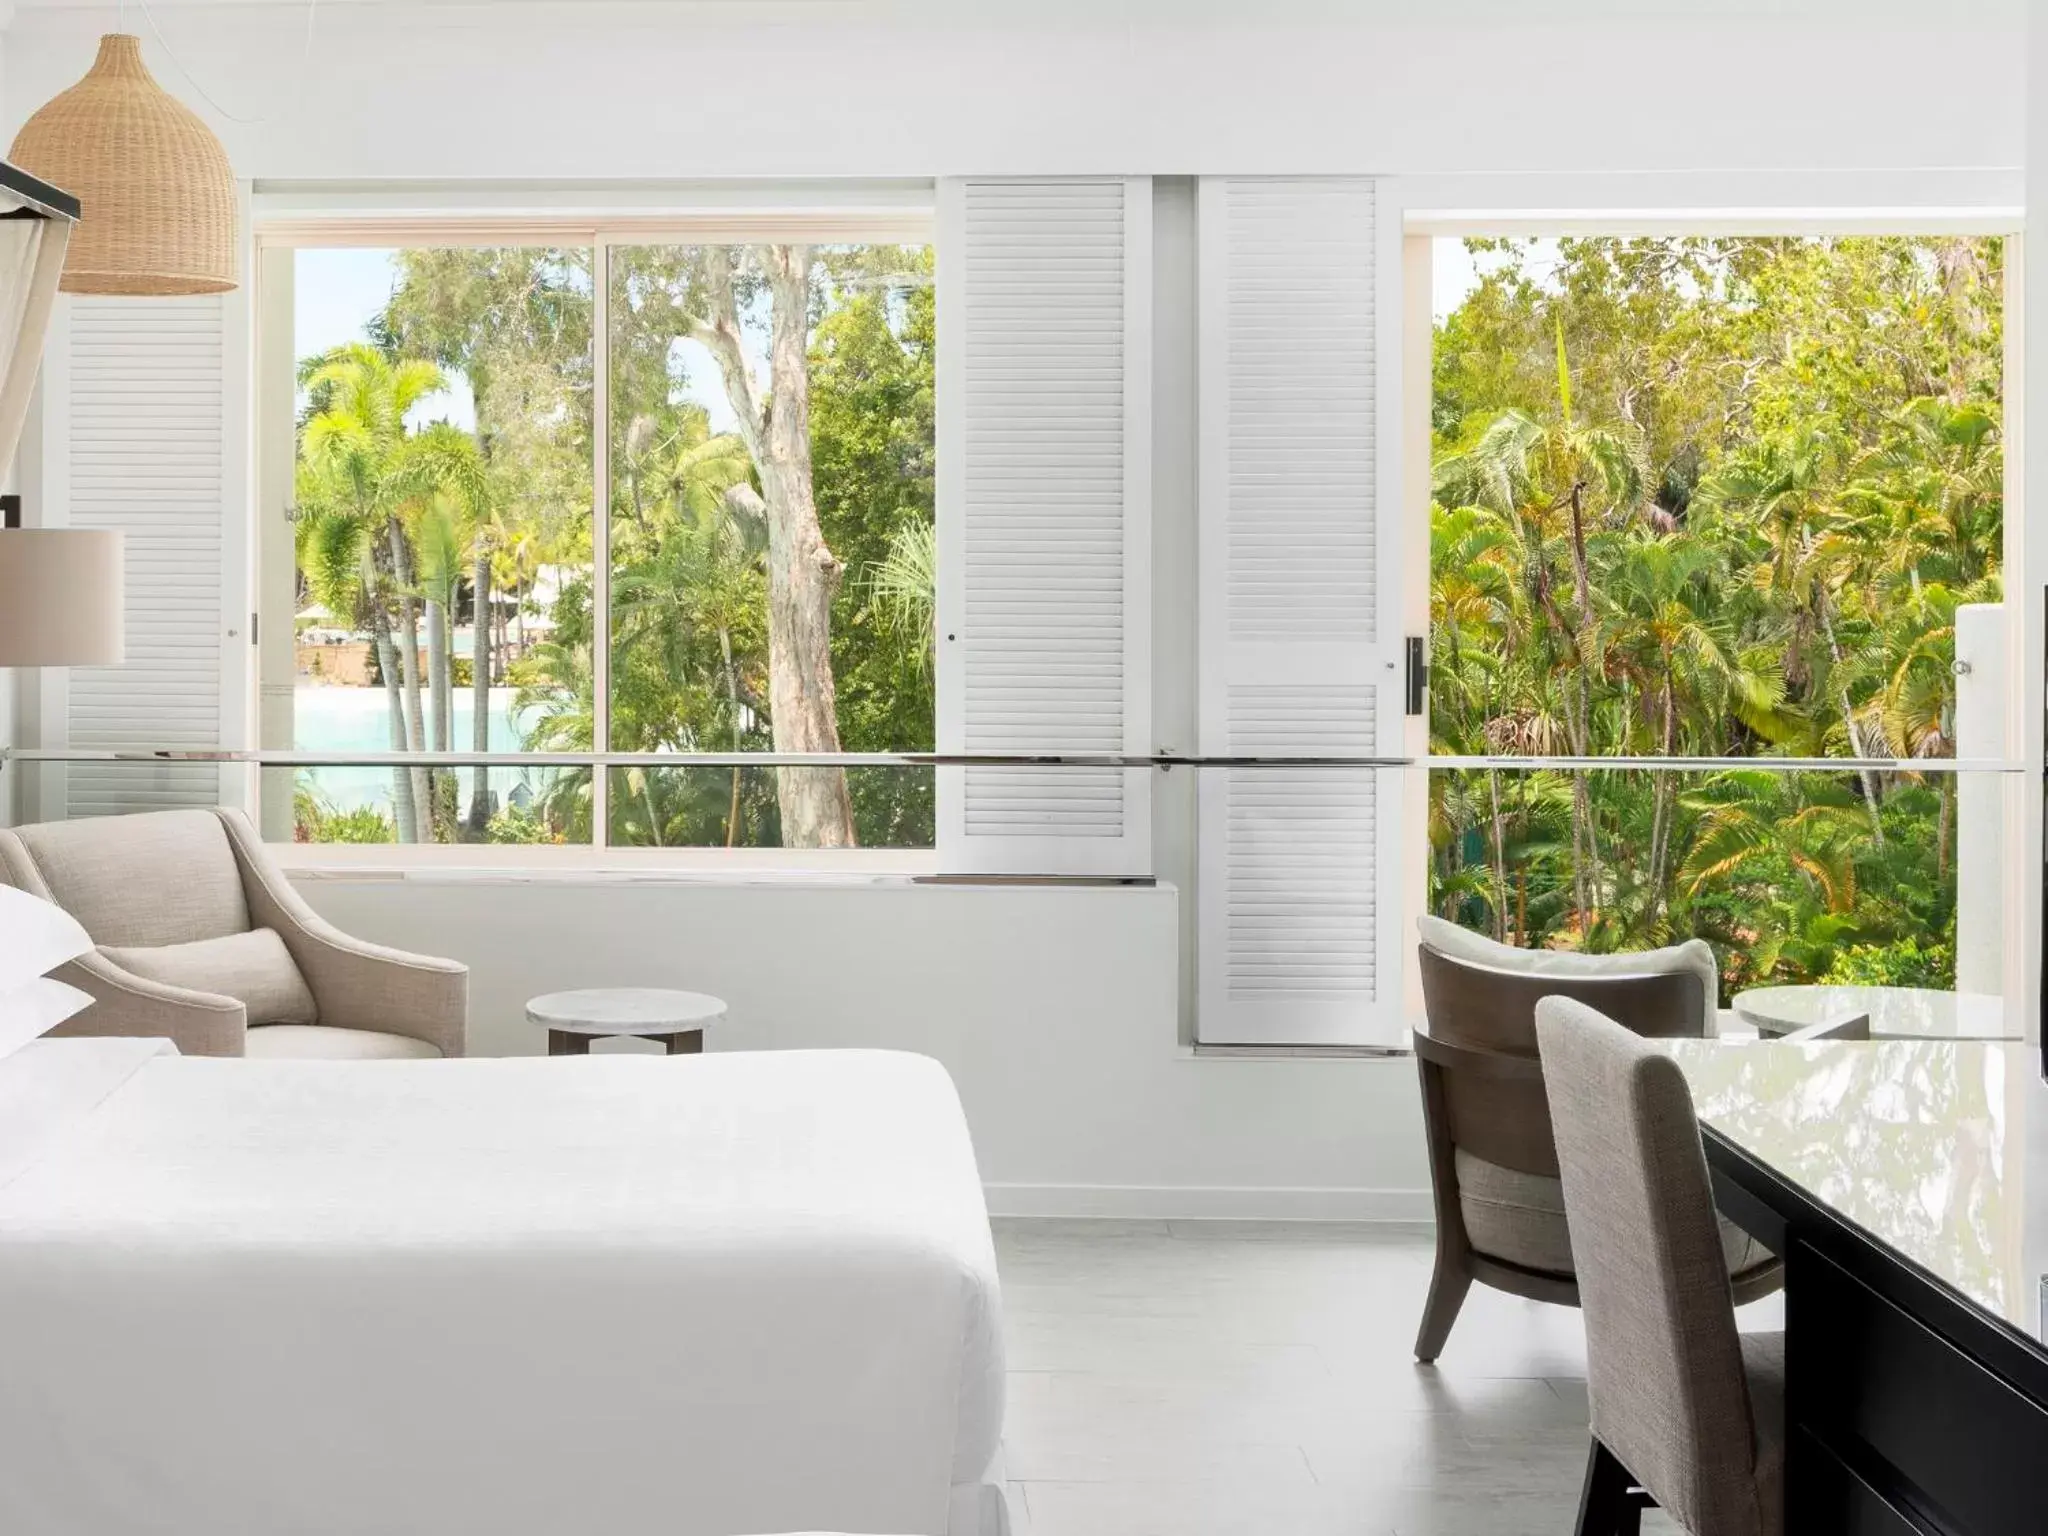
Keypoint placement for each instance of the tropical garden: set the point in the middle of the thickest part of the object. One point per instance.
(770, 552)
(1712, 498)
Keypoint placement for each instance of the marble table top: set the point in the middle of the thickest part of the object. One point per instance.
(625, 1011)
(1904, 1013)
(1937, 1149)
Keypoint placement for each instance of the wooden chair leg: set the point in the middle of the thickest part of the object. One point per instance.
(1447, 1288)
(1608, 1503)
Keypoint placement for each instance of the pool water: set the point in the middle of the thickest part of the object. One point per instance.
(358, 720)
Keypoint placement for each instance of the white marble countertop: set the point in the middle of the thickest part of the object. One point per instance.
(1900, 1013)
(1937, 1149)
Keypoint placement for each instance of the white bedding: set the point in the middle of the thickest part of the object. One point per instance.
(620, 1295)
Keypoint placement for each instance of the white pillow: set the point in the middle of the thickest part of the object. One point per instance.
(1694, 955)
(35, 938)
(34, 1009)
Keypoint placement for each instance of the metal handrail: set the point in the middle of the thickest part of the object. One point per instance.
(295, 758)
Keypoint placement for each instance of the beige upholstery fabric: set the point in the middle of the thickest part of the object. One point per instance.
(124, 1004)
(254, 968)
(1763, 1361)
(1694, 955)
(359, 985)
(1670, 1389)
(1519, 1217)
(173, 877)
(319, 1042)
(163, 878)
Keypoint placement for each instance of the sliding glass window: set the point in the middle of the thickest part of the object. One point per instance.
(561, 500)
(1739, 501)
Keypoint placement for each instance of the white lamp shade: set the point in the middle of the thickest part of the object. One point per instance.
(60, 597)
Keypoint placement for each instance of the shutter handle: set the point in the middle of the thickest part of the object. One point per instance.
(1418, 675)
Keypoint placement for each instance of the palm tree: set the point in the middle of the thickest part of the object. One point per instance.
(696, 571)
(1789, 486)
(352, 486)
(904, 585)
(559, 694)
(1558, 485)
(1797, 841)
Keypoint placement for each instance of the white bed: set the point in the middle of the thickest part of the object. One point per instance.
(696, 1296)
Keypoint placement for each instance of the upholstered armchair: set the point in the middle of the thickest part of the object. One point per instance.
(202, 940)
(1500, 1216)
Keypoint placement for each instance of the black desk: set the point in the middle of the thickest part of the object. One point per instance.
(1906, 1186)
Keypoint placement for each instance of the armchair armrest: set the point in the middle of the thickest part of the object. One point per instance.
(198, 1023)
(358, 985)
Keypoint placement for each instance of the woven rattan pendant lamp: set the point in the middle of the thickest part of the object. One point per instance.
(155, 185)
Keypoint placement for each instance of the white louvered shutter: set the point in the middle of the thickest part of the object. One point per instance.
(1044, 470)
(146, 433)
(1298, 653)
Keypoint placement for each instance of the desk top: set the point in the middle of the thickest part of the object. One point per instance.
(1936, 1149)
(1903, 1013)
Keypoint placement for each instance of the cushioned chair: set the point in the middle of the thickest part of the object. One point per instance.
(203, 940)
(1500, 1212)
(1688, 1414)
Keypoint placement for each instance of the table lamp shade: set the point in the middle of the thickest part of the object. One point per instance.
(60, 597)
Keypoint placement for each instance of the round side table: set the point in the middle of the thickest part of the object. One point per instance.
(574, 1019)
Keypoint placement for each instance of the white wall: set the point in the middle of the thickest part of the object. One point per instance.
(1057, 1011)
(1053, 1009)
(920, 88)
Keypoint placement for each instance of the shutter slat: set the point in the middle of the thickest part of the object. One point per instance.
(147, 431)
(1041, 370)
(1292, 656)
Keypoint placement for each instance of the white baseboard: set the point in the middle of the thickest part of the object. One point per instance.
(1196, 1202)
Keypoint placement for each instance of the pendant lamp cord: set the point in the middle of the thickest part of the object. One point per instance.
(305, 61)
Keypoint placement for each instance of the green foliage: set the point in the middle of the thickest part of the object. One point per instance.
(396, 513)
(315, 820)
(1901, 964)
(1712, 498)
(514, 825)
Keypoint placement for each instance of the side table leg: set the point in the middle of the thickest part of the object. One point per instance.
(688, 1042)
(563, 1042)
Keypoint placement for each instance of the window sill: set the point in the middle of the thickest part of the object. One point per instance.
(856, 868)
(521, 865)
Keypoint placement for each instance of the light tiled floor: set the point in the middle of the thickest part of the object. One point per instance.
(1196, 1379)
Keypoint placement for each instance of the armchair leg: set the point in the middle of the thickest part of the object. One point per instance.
(1447, 1289)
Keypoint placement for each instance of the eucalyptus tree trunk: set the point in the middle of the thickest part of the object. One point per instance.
(803, 573)
(409, 675)
(480, 692)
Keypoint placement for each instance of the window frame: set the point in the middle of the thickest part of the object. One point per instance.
(285, 218)
(1793, 204)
